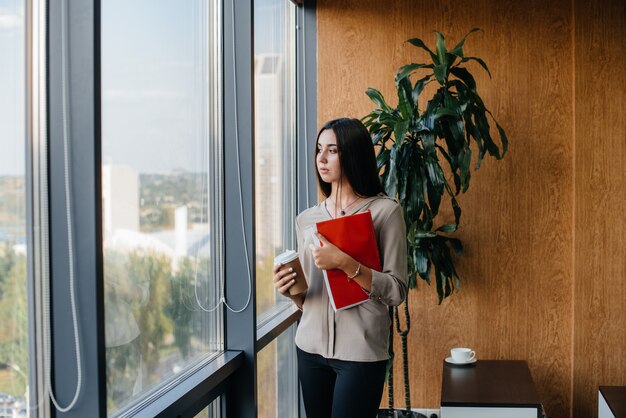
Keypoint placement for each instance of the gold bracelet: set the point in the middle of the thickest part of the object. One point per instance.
(356, 273)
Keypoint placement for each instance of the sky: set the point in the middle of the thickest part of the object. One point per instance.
(155, 65)
(12, 82)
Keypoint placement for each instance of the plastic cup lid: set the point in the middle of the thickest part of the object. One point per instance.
(285, 257)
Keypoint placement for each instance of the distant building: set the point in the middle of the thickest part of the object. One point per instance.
(270, 139)
(121, 209)
(120, 198)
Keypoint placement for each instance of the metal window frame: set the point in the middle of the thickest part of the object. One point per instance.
(240, 399)
(84, 130)
(306, 96)
(36, 176)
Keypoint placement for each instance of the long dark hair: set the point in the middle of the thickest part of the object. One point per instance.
(356, 156)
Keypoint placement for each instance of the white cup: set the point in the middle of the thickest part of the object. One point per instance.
(462, 354)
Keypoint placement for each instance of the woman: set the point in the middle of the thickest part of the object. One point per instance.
(342, 355)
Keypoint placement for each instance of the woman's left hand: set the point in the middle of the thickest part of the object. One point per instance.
(328, 256)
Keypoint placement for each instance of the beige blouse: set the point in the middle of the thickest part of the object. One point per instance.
(360, 333)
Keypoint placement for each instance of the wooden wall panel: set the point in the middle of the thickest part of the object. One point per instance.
(600, 249)
(517, 270)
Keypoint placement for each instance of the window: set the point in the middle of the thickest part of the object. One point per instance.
(275, 170)
(140, 222)
(275, 195)
(277, 379)
(14, 335)
(161, 191)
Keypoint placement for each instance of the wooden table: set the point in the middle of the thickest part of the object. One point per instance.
(612, 402)
(489, 389)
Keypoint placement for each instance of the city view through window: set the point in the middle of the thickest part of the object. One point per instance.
(14, 384)
(160, 192)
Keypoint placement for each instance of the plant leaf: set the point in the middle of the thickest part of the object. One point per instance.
(406, 70)
(450, 59)
(457, 210)
(392, 178)
(424, 234)
(447, 228)
(378, 136)
(378, 99)
(478, 60)
(464, 168)
(464, 76)
(441, 50)
(503, 138)
(505, 141)
(428, 270)
(405, 102)
(400, 130)
(420, 44)
(420, 259)
(434, 198)
(403, 170)
(457, 246)
(440, 73)
(458, 49)
(439, 277)
(444, 111)
(382, 159)
(416, 199)
(419, 86)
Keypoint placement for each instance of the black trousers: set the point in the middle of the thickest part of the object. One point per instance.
(340, 389)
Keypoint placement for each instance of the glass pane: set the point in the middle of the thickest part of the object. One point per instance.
(13, 290)
(160, 191)
(277, 380)
(211, 411)
(274, 78)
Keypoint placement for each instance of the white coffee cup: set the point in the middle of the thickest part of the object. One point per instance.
(462, 354)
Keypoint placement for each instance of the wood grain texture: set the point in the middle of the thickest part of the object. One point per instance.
(517, 225)
(600, 226)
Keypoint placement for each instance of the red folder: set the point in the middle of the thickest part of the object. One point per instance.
(354, 235)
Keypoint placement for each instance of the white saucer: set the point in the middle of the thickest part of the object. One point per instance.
(450, 360)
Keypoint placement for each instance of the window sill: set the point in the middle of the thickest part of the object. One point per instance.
(273, 327)
(194, 392)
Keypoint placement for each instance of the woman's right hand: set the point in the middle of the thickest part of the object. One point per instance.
(284, 279)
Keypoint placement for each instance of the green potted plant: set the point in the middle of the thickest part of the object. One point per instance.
(418, 149)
